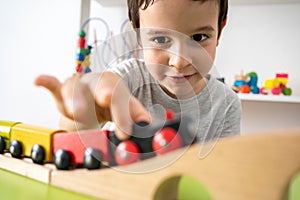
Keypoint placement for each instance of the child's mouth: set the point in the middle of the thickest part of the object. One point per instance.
(180, 79)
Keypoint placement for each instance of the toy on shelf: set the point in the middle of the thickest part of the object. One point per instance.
(277, 86)
(93, 148)
(83, 49)
(246, 83)
(83, 54)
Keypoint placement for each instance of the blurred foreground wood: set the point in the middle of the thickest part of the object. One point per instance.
(256, 166)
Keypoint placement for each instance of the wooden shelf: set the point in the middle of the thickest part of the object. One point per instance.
(269, 98)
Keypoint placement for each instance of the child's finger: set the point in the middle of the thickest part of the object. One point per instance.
(75, 101)
(124, 108)
(126, 113)
(54, 86)
(79, 102)
(138, 111)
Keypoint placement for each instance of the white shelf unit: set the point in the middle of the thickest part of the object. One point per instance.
(269, 98)
(269, 113)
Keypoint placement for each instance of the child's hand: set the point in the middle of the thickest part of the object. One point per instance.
(95, 98)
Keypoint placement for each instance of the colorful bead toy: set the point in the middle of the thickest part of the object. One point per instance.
(83, 54)
(83, 49)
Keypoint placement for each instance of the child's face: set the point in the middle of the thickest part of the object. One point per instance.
(179, 39)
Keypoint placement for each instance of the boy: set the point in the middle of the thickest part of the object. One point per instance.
(178, 39)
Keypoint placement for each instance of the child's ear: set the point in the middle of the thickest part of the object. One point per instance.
(222, 27)
(132, 26)
(137, 33)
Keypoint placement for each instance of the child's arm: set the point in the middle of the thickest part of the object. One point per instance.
(88, 100)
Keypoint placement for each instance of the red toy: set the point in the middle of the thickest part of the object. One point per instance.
(127, 152)
(166, 140)
(87, 147)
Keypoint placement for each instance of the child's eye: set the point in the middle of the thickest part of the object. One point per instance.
(199, 37)
(161, 40)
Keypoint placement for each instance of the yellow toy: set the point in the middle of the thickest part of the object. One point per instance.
(277, 85)
(5, 130)
(32, 141)
(271, 83)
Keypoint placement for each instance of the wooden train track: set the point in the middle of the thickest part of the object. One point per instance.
(257, 166)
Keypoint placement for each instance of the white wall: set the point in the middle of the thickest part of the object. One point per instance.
(261, 38)
(37, 37)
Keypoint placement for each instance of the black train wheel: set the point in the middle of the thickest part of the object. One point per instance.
(62, 159)
(92, 159)
(38, 154)
(2, 145)
(16, 149)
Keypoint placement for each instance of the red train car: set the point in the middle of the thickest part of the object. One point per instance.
(87, 147)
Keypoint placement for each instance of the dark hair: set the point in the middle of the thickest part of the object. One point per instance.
(135, 5)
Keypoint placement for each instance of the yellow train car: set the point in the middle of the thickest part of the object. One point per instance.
(32, 141)
(5, 130)
(24, 140)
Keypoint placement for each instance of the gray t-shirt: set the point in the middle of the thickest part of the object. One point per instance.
(215, 111)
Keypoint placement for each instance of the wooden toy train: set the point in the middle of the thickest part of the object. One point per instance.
(93, 149)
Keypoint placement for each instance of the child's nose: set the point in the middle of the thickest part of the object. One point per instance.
(178, 61)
